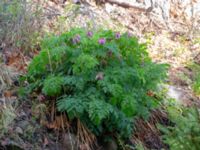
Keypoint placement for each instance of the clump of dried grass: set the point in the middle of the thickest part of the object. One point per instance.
(7, 76)
(7, 110)
(7, 116)
(87, 139)
(147, 133)
(21, 22)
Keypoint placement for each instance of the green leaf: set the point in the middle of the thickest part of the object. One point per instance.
(84, 63)
(129, 106)
(99, 110)
(53, 85)
(72, 105)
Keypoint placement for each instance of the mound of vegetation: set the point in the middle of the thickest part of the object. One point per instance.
(105, 79)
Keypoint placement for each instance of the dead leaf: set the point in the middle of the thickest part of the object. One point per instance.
(7, 94)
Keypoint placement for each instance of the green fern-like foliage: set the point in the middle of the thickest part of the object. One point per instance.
(102, 78)
(196, 78)
(52, 85)
(186, 132)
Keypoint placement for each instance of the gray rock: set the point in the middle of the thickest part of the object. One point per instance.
(111, 145)
(19, 130)
(174, 92)
(70, 142)
(23, 124)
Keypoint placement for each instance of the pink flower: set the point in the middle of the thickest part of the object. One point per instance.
(102, 41)
(76, 39)
(117, 35)
(90, 34)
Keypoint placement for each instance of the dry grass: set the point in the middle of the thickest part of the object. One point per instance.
(7, 108)
(5, 77)
(147, 133)
(21, 23)
(87, 139)
(7, 116)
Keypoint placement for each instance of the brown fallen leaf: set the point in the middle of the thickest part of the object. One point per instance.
(7, 94)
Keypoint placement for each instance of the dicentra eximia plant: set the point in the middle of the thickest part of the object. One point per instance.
(101, 78)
